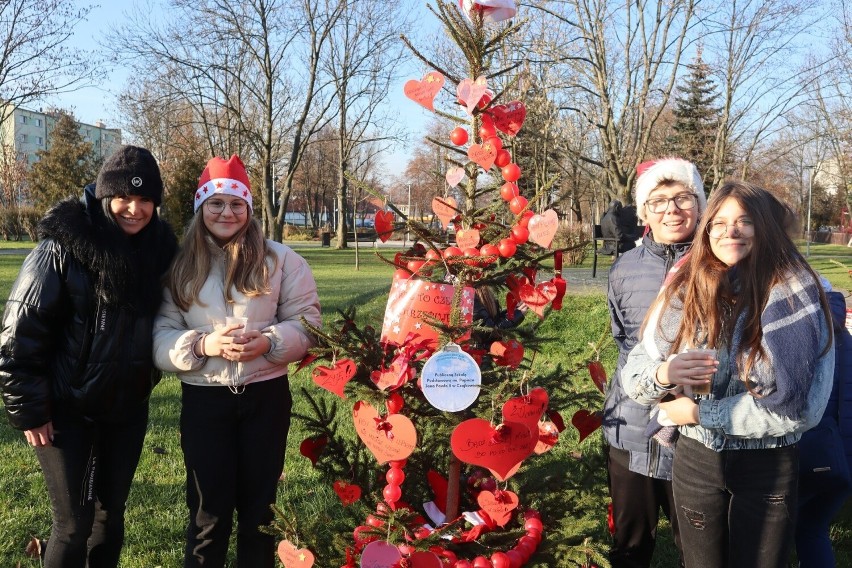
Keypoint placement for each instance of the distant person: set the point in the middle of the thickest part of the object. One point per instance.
(619, 226)
(235, 406)
(75, 352)
(825, 460)
(747, 293)
(670, 199)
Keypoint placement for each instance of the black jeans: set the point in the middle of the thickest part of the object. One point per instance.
(736, 507)
(88, 472)
(233, 449)
(636, 503)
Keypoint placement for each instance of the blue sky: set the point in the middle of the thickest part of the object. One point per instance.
(99, 102)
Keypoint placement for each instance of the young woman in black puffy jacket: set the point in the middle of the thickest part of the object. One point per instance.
(76, 366)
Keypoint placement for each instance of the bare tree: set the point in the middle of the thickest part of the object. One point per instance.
(621, 73)
(252, 78)
(35, 58)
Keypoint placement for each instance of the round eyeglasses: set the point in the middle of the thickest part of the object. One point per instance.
(718, 229)
(682, 201)
(217, 206)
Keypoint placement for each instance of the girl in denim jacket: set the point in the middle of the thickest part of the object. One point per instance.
(747, 293)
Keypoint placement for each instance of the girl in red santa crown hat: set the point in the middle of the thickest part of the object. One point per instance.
(229, 326)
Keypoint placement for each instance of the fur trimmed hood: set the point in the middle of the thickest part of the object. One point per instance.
(126, 270)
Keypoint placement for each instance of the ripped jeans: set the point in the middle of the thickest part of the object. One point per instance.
(735, 508)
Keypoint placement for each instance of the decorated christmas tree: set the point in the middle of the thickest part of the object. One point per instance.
(449, 405)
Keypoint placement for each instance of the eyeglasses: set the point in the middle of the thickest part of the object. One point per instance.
(682, 201)
(719, 229)
(217, 206)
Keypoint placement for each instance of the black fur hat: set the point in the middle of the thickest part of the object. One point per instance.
(130, 170)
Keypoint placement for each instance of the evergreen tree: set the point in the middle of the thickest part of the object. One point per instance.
(65, 167)
(696, 119)
(379, 372)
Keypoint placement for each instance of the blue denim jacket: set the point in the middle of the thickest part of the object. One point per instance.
(730, 417)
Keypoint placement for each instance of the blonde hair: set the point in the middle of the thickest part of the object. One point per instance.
(246, 266)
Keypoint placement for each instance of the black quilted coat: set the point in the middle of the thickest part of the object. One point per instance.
(77, 329)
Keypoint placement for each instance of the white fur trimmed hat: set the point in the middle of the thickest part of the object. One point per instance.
(652, 173)
(223, 177)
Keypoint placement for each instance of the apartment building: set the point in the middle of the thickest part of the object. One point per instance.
(28, 131)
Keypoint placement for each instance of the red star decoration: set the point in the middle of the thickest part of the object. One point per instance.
(234, 185)
(219, 184)
(206, 189)
(197, 195)
(245, 193)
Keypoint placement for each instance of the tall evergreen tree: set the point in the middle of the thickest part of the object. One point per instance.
(64, 167)
(696, 119)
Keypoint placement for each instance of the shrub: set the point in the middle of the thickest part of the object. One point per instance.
(10, 226)
(28, 218)
(574, 237)
(295, 233)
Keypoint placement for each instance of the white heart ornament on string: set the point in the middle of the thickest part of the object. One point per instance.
(454, 176)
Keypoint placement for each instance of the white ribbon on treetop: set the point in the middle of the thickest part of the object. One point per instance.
(493, 11)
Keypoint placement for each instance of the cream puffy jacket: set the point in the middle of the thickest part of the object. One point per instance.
(277, 315)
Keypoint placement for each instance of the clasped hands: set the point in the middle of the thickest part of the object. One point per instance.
(685, 369)
(229, 344)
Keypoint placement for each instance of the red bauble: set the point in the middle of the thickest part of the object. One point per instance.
(401, 274)
(509, 191)
(507, 247)
(524, 221)
(533, 523)
(452, 251)
(516, 559)
(518, 204)
(360, 538)
(399, 464)
(394, 403)
(529, 542)
(500, 560)
(535, 535)
(395, 476)
(462, 564)
(511, 172)
(458, 136)
(490, 251)
(519, 234)
(469, 253)
(447, 556)
(392, 493)
(482, 562)
(374, 521)
(496, 143)
(487, 130)
(415, 266)
(504, 158)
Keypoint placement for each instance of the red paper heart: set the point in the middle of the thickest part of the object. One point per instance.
(507, 353)
(389, 439)
(537, 297)
(543, 228)
(306, 360)
(526, 409)
(392, 377)
(454, 176)
(470, 92)
(548, 435)
(293, 557)
(598, 374)
(445, 208)
(334, 379)
(510, 117)
(311, 448)
(482, 155)
(500, 449)
(556, 418)
(467, 238)
(586, 422)
(498, 504)
(347, 492)
(384, 225)
(423, 92)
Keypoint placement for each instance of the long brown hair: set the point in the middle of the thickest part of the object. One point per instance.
(712, 301)
(246, 266)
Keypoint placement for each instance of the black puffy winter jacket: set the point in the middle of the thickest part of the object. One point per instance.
(77, 329)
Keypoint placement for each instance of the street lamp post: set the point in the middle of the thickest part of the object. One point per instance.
(810, 199)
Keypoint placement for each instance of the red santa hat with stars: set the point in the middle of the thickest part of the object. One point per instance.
(223, 177)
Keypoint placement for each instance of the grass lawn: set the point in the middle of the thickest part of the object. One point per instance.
(156, 511)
